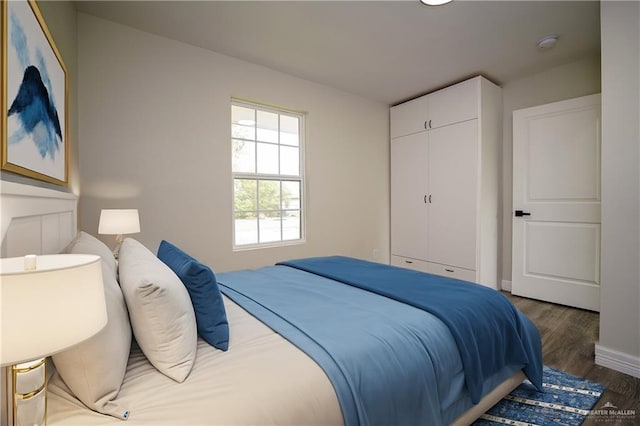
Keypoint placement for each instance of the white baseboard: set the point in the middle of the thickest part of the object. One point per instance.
(619, 361)
(506, 285)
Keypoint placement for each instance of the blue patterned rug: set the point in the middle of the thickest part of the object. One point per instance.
(566, 402)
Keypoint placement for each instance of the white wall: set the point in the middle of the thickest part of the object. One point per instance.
(568, 81)
(619, 345)
(154, 124)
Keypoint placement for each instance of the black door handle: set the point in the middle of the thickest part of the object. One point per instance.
(520, 213)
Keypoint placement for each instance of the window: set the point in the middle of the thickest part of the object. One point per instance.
(267, 166)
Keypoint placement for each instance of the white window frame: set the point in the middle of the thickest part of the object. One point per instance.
(278, 177)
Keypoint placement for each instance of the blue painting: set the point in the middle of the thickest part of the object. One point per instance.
(35, 142)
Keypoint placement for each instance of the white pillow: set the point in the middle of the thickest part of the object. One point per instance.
(160, 309)
(94, 369)
(88, 244)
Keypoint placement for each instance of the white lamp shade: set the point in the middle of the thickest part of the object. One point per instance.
(119, 221)
(48, 310)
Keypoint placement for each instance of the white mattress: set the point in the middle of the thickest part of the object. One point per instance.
(261, 380)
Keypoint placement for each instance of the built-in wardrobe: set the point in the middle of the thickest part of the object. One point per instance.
(444, 181)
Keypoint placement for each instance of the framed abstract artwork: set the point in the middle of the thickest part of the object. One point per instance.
(35, 140)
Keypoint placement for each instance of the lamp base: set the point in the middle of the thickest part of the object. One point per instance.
(27, 387)
(116, 250)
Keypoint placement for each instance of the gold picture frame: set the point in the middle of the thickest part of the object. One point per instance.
(34, 96)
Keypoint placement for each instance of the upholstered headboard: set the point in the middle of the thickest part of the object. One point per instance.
(35, 220)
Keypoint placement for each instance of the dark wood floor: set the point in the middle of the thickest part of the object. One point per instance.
(568, 339)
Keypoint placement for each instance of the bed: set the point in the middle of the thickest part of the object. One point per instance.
(263, 378)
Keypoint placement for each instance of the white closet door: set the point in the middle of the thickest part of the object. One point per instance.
(454, 104)
(453, 182)
(408, 196)
(409, 117)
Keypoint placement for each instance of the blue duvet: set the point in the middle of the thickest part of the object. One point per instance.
(389, 362)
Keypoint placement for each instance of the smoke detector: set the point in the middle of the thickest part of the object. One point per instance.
(547, 42)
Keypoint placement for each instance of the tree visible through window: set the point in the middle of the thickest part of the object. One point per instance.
(267, 174)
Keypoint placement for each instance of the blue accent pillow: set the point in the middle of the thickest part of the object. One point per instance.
(201, 283)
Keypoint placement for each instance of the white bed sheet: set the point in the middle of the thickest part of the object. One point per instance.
(261, 380)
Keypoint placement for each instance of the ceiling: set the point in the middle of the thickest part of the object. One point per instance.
(388, 51)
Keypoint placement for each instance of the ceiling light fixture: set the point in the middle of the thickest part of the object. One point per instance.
(435, 2)
(547, 42)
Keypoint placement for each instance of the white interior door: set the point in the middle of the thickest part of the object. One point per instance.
(556, 202)
(409, 196)
(453, 182)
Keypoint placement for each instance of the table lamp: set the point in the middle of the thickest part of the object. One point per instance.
(117, 222)
(48, 304)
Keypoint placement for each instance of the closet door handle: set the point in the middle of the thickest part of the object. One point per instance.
(425, 124)
(425, 199)
(429, 123)
(429, 198)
